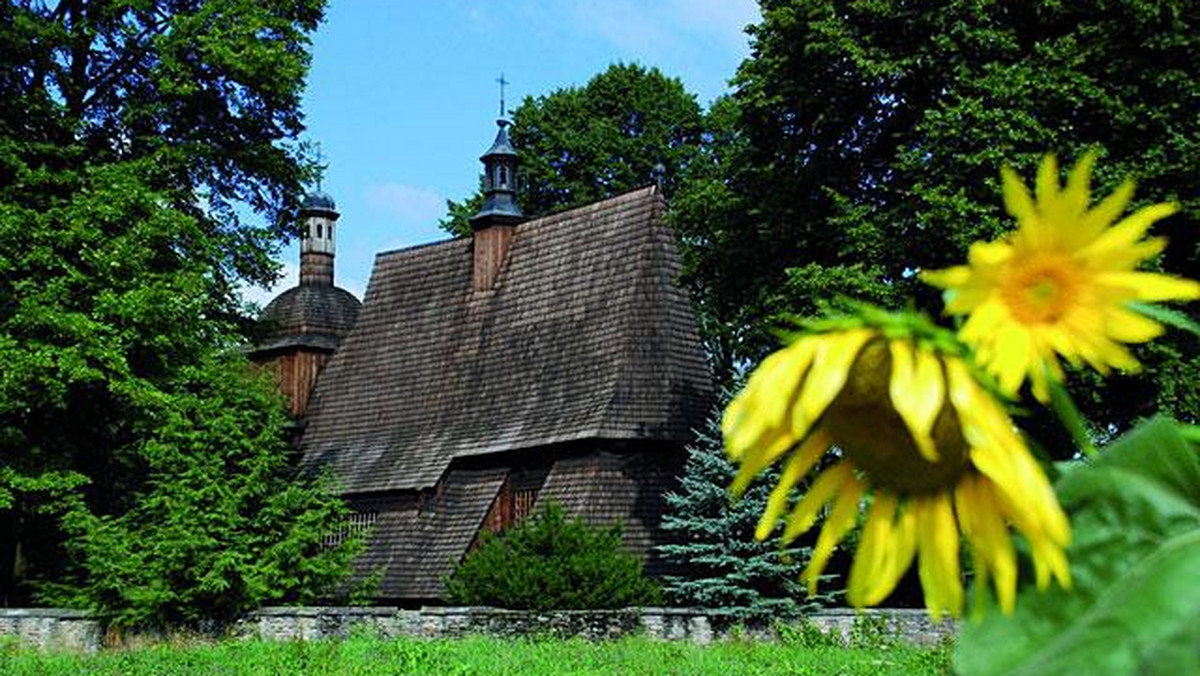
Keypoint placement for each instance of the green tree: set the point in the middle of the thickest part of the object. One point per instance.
(219, 526)
(129, 132)
(551, 561)
(581, 144)
(209, 88)
(870, 136)
(723, 568)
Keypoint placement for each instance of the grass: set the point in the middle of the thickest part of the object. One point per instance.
(365, 656)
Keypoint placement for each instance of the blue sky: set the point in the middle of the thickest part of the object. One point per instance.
(402, 95)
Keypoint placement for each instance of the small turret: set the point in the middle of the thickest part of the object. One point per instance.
(499, 184)
(302, 327)
(318, 214)
(494, 224)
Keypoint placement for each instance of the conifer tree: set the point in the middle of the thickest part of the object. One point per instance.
(723, 568)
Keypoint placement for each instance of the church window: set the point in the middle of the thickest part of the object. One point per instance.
(356, 525)
(523, 501)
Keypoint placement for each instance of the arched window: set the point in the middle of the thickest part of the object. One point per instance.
(503, 176)
(320, 234)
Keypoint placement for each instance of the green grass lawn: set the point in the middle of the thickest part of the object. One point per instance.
(363, 656)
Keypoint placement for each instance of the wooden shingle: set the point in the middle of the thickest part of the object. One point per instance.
(584, 335)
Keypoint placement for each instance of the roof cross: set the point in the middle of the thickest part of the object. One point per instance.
(502, 82)
(321, 167)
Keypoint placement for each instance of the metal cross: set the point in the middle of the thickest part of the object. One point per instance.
(322, 166)
(502, 82)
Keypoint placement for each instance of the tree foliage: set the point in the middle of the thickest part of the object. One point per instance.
(869, 136)
(210, 89)
(722, 567)
(218, 527)
(580, 144)
(128, 133)
(551, 561)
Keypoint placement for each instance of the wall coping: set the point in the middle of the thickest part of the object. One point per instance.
(48, 613)
(70, 629)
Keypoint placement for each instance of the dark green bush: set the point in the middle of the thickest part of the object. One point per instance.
(552, 561)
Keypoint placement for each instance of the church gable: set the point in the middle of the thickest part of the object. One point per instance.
(582, 335)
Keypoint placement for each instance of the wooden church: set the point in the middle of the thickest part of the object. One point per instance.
(546, 359)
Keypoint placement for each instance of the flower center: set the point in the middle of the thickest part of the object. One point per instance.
(1040, 290)
(867, 428)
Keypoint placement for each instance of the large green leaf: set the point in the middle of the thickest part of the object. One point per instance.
(1135, 604)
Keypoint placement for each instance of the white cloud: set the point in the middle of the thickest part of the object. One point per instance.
(406, 203)
(647, 30)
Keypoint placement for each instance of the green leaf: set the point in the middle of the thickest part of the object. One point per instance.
(1173, 318)
(1135, 512)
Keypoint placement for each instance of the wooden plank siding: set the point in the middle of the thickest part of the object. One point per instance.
(296, 374)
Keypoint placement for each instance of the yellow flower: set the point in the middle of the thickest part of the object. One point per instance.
(1060, 284)
(908, 431)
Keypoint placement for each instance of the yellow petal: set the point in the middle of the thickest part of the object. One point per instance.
(1131, 327)
(1128, 231)
(947, 278)
(917, 391)
(937, 542)
(885, 552)
(839, 522)
(830, 366)
(871, 559)
(983, 526)
(1151, 286)
(793, 470)
(989, 254)
(758, 458)
(1017, 200)
(1047, 179)
(826, 486)
(1013, 353)
(1079, 182)
(762, 405)
(1096, 220)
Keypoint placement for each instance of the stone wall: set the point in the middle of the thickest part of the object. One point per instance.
(72, 630)
(51, 628)
(903, 624)
(445, 622)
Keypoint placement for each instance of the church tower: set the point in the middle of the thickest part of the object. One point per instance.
(304, 325)
(318, 214)
(492, 228)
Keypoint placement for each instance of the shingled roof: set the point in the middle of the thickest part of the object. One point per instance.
(583, 335)
(412, 549)
(314, 316)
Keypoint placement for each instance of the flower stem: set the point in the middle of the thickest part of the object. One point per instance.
(1071, 418)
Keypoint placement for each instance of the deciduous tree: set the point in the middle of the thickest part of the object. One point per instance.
(129, 135)
(870, 136)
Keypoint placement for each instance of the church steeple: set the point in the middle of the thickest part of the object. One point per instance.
(318, 214)
(499, 183)
(493, 226)
(303, 326)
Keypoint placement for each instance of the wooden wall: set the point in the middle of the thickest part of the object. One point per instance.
(296, 374)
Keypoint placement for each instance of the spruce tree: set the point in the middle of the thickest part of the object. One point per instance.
(722, 567)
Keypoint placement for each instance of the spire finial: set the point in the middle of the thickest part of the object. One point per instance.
(502, 82)
(322, 166)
